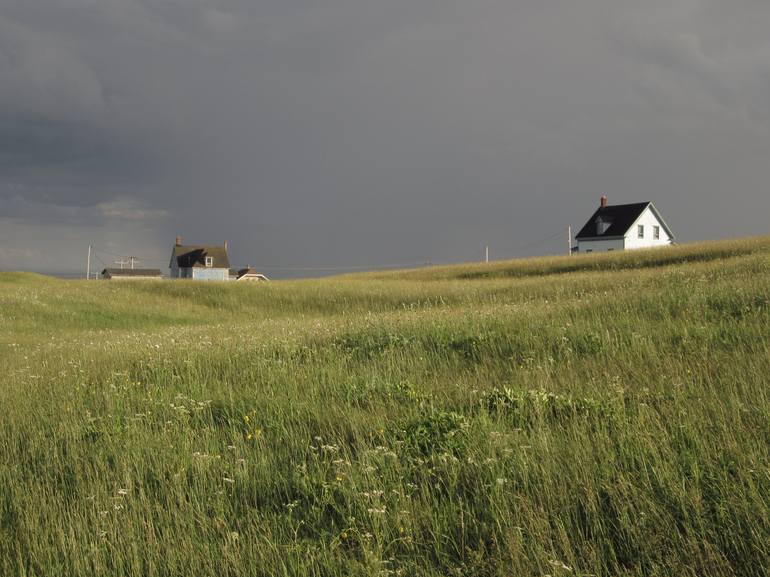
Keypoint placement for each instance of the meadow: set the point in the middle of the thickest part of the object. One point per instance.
(603, 415)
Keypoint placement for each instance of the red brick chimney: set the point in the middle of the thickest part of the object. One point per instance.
(603, 202)
(179, 241)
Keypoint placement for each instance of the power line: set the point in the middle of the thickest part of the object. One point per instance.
(127, 256)
(96, 256)
(108, 253)
(480, 254)
(344, 268)
(538, 242)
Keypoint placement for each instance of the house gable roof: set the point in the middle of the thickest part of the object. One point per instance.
(194, 256)
(621, 217)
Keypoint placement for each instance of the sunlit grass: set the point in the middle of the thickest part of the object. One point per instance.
(593, 415)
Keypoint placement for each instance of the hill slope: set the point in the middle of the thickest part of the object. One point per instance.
(604, 415)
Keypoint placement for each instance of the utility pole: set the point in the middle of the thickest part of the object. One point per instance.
(569, 240)
(132, 260)
(486, 254)
(88, 264)
(121, 262)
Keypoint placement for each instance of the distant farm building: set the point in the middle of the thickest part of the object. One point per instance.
(199, 262)
(622, 227)
(131, 273)
(250, 274)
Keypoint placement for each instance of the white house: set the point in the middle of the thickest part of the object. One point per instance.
(623, 226)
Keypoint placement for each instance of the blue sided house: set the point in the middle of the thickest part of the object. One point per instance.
(199, 262)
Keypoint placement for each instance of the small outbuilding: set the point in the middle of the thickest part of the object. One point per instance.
(131, 273)
(623, 227)
(250, 274)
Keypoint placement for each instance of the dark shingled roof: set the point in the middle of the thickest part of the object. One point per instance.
(195, 256)
(132, 272)
(621, 217)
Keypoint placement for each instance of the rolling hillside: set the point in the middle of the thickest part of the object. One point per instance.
(591, 415)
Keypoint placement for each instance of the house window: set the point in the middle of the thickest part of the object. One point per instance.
(656, 232)
(640, 231)
(209, 261)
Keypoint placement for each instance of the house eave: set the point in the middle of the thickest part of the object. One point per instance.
(584, 238)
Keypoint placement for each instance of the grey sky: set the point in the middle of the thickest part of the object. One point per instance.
(355, 132)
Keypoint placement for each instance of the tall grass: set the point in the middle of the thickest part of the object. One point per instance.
(603, 415)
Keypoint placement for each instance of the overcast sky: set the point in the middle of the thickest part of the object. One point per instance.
(336, 133)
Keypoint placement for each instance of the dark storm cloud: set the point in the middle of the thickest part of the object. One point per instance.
(56, 162)
(359, 131)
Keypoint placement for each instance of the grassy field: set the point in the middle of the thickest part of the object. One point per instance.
(593, 415)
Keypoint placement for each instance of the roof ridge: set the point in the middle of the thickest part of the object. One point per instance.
(622, 217)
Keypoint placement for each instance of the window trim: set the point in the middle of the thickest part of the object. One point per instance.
(639, 231)
(209, 262)
(656, 232)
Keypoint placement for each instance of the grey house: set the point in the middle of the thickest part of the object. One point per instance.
(199, 262)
